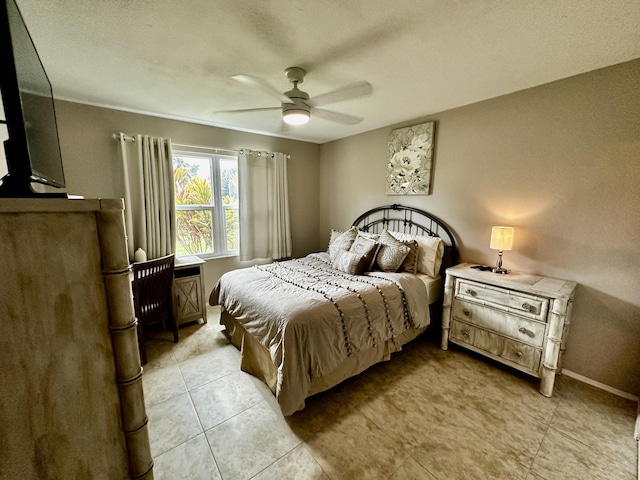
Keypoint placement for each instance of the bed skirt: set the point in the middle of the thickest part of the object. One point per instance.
(257, 361)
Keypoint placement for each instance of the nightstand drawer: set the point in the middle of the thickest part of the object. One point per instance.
(514, 326)
(508, 300)
(519, 353)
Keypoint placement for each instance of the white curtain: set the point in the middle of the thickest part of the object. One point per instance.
(265, 230)
(149, 196)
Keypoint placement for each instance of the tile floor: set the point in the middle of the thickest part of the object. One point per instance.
(426, 414)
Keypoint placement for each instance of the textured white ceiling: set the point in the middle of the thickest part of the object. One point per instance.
(174, 58)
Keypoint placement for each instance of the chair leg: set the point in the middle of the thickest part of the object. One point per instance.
(174, 327)
(143, 350)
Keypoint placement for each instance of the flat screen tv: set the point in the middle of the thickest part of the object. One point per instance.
(32, 150)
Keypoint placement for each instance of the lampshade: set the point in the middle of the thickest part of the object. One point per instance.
(501, 238)
(295, 117)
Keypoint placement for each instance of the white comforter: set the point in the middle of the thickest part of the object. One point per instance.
(312, 317)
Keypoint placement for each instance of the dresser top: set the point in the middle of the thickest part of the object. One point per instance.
(58, 205)
(523, 282)
(188, 261)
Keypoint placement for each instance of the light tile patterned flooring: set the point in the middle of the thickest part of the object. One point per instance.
(426, 414)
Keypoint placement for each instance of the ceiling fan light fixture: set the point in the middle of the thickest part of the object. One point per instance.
(296, 117)
(297, 112)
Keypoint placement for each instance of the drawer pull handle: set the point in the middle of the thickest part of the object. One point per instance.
(526, 307)
(466, 312)
(471, 292)
(519, 354)
(522, 330)
(465, 333)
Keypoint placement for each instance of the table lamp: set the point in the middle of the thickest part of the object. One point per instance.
(501, 239)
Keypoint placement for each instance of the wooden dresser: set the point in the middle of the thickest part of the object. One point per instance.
(71, 402)
(517, 319)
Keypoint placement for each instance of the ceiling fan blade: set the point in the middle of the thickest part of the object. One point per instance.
(263, 85)
(336, 117)
(355, 90)
(247, 110)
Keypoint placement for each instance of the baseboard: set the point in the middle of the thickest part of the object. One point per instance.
(599, 385)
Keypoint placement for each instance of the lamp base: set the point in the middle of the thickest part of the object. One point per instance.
(498, 268)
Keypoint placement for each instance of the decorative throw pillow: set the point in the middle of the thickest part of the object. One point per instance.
(334, 234)
(366, 247)
(372, 236)
(391, 254)
(349, 262)
(341, 241)
(430, 252)
(410, 263)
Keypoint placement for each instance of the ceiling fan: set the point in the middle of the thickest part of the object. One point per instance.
(297, 106)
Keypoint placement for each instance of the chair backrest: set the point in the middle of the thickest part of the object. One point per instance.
(152, 282)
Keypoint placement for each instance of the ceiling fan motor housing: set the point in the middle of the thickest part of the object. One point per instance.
(299, 101)
(298, 98)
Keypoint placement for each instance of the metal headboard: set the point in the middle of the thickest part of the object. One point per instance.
(399, 218)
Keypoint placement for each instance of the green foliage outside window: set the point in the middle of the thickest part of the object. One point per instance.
(195, 227)
(232, 221)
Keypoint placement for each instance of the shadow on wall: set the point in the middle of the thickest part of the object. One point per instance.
(617, 323)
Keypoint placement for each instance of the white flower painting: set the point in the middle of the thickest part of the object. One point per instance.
(410, 160)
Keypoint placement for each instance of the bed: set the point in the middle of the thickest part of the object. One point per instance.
(305, 325)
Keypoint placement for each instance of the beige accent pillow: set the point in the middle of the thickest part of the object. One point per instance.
(391, 254)
(410, 263)
(430, 252)
(341, 241)
(349, 262)
(366, 247)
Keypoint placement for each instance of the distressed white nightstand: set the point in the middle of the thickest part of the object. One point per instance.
(188, 290)
(517, 319)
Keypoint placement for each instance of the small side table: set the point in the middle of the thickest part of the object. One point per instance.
(188, 290)
(517, 319)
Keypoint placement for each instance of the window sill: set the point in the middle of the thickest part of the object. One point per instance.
(211, 256)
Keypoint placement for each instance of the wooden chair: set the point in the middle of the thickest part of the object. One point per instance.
(152, 297)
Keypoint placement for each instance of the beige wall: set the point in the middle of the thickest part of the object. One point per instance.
(92, 164)
(560, 163)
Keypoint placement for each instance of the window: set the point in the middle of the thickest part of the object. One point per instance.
(206, 204)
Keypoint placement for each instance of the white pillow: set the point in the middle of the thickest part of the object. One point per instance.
(430, 252)
(372, 236)
(341, 241)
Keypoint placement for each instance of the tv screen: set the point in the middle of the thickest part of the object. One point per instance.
(34, 150)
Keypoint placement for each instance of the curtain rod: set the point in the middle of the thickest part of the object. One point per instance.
(260, 153)
(203, 147)
(128, 138)
(123, 137)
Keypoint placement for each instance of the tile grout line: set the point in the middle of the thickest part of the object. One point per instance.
(590, 447)
(578, 440)
(203, 432)
(546, 432)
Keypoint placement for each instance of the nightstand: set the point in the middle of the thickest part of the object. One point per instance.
(517, 319)
(188, 290)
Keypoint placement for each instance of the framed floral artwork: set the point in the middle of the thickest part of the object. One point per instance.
(410, 154)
